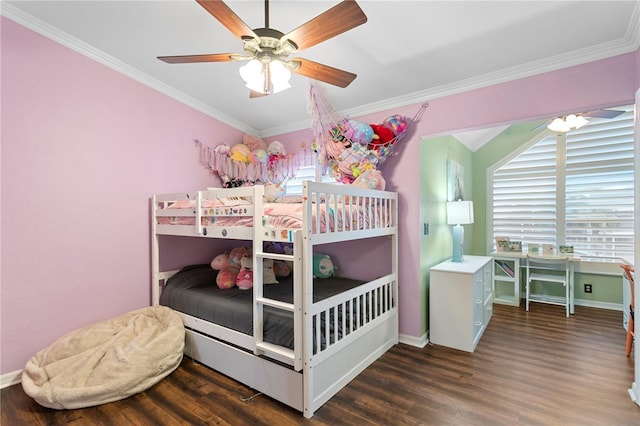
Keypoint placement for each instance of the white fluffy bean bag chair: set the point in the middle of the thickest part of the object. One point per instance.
(106, 361)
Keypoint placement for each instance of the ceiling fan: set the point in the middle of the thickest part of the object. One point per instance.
(267, 49)
(575, 121)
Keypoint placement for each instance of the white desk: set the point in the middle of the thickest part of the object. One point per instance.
(519, 260)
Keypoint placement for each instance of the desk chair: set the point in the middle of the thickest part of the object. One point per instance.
(628, 271)
(552, 270)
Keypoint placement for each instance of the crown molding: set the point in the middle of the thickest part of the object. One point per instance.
(11, 12)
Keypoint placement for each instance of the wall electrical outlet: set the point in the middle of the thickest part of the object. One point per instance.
(425, 228)
(588, 288)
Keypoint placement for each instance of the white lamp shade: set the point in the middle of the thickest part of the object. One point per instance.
(253, 75)
(567, 123)
(271, 77)
(459, 212)
(280, 76)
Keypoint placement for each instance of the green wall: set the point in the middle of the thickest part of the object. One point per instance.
(437, 246)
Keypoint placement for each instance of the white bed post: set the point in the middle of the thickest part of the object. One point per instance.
(394, 262)
(307, 296)
(258, 232)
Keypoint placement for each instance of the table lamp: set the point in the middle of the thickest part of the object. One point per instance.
(459, 213)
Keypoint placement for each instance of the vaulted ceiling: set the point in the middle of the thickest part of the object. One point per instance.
(407, 52)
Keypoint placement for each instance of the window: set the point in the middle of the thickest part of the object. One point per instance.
(294, 185)
(574, 188)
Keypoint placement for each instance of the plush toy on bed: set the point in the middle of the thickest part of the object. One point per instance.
(220, 261)
(281, 268)
(236, 255)
(323, 266)
(228, 267)
(226, 277)
(244, 279)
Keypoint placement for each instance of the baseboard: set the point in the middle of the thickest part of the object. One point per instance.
(419, 342)
(10, 379)
(584, 302)
(596, 304)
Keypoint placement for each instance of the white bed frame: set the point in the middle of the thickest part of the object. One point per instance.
(298, 377)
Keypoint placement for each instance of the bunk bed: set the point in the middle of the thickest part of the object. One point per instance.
(335, 329)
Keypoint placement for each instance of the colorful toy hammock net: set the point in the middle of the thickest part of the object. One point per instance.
(347, 148)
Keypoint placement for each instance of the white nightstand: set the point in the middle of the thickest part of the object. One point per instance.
(460, 302)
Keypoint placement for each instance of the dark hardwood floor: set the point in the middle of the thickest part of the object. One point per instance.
(535, 368)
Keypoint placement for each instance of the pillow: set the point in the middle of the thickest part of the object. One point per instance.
(268, 274)
(290, 199)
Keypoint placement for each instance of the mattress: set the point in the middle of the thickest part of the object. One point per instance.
(193, 291)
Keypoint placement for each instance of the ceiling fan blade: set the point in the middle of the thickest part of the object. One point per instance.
(603, 113)
(541, 125)
(185, 59)
(322, 72)
(253, 94)
(227, 17)
(340, 18)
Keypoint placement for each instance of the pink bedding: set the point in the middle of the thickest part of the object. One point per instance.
(227, 212)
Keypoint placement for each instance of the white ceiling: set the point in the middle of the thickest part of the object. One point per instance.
(408, 51)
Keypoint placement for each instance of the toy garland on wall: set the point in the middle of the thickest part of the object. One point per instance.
(253, 162)
(348, 148)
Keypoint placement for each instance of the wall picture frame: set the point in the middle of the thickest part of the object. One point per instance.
(455, 181)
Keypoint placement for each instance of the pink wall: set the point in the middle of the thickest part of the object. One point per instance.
(81, 144)
(80, 141)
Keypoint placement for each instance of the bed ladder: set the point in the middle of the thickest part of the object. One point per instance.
(292, 357)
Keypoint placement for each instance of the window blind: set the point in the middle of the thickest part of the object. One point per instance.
(581, 195)
(294, 185)
(524, 206)
(599, 187)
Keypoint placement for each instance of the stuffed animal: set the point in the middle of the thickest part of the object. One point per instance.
(281, 268)
(277, 247)
(222, 149)
(273, 191)
(259, 156)
(240, 152)
(396, 123)
(253, 142)
(323, 266)
(226, 277)
(358, 132)
(276, 148)
(382, 136)
(220, 261)
(370, 179)
(244, 279)
(236, 255)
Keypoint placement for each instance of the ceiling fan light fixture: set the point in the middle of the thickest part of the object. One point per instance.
(265, 76)
(253, 74)
(558, 125)
(576, 121)
(280, 76)
(568, 123)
